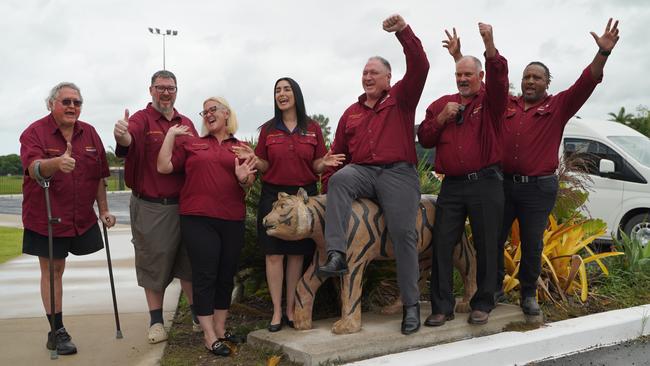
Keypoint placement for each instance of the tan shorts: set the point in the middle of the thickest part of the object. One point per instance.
(159, 253)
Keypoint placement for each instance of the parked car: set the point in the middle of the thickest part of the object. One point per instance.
(620, 169)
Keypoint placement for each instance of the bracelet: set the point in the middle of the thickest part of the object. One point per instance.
(244, 182)
(605, 53)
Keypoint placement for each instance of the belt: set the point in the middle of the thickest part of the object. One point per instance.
(161, 200)
(517, 178)
(389, 165)
(487, 172)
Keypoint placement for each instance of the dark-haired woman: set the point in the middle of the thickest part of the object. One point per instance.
(291, 153)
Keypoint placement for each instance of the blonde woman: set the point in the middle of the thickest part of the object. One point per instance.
(212, 211)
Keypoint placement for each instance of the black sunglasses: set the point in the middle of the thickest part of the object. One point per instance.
(68, 102)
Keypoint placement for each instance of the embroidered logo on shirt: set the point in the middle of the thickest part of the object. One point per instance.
(52, 151)
(477, 109)
(155, 133)
(90, 149)
(542, 108)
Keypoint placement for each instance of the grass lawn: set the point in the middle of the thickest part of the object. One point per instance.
(14, 184)
(11, 184)
(11, 243)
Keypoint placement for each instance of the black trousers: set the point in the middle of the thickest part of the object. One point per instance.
(213, 246)
(530, 203)
(482, 201)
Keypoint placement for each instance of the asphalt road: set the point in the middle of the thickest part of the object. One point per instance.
(632, 353)
(118, 202)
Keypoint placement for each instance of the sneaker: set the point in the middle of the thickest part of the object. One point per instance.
(62, 342)
(196, 327)
(157, 333)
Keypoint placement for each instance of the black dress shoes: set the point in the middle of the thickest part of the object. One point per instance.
(61, 341)
(436, 320)
(275, 327)
(478, 317)
(285, 320)
(410, 319)
(336, 265)
(530, 306)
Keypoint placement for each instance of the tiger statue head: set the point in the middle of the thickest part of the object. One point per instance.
(290, 218)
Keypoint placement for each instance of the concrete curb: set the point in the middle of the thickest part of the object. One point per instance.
(517, 348)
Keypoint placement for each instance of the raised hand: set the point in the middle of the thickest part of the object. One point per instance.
(452, 44)
(244, 170)
(608, 40)
(179, 129)
(121, 130)
(394, 23)
(243, 151)
(66, 161)
(330, 159)
(488, 39)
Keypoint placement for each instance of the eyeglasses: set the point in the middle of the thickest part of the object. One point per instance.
(212, 110)
(162, 88)
(67, 102)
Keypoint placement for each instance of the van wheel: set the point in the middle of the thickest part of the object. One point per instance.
(638, 227)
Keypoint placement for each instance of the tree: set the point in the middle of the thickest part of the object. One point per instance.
(10, 164)
(639, 122)
(323, 122)
(112, 159)
(621, 116)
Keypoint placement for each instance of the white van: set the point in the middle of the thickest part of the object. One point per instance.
(620, 173)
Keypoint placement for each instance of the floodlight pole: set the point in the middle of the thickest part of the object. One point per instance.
(164, 33)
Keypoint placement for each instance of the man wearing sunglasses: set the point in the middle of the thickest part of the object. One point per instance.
(69, 155)
(155, 224)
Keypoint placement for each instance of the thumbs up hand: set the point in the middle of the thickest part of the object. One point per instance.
(66, 161)
(121, 130)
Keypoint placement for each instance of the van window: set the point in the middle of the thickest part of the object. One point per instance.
(637, 147)
(592, 151)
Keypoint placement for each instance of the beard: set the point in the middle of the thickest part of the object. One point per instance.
(161, 109)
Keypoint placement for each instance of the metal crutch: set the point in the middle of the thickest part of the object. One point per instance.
(45, 183)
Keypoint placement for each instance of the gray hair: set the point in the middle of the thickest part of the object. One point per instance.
(382, 60)
(477, 62)
(164, 74)
(54, 93)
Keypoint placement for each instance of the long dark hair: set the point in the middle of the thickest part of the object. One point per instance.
(301, 112)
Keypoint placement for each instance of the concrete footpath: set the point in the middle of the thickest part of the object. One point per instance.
(87, 308)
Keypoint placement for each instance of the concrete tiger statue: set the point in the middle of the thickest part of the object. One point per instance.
(299, 216)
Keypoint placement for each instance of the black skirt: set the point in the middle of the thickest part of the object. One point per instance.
(272, 245)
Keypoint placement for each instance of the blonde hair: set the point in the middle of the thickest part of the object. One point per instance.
(231, 122)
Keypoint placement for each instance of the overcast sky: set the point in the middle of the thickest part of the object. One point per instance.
(237, 50)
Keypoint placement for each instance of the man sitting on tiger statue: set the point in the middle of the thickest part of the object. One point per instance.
(376, 135)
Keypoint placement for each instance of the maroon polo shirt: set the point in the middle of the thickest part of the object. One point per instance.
(532, 137)
(384, 134)
(211, 187)
(148, 129)
(72, 195)
(476, 143)
(290, 154)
